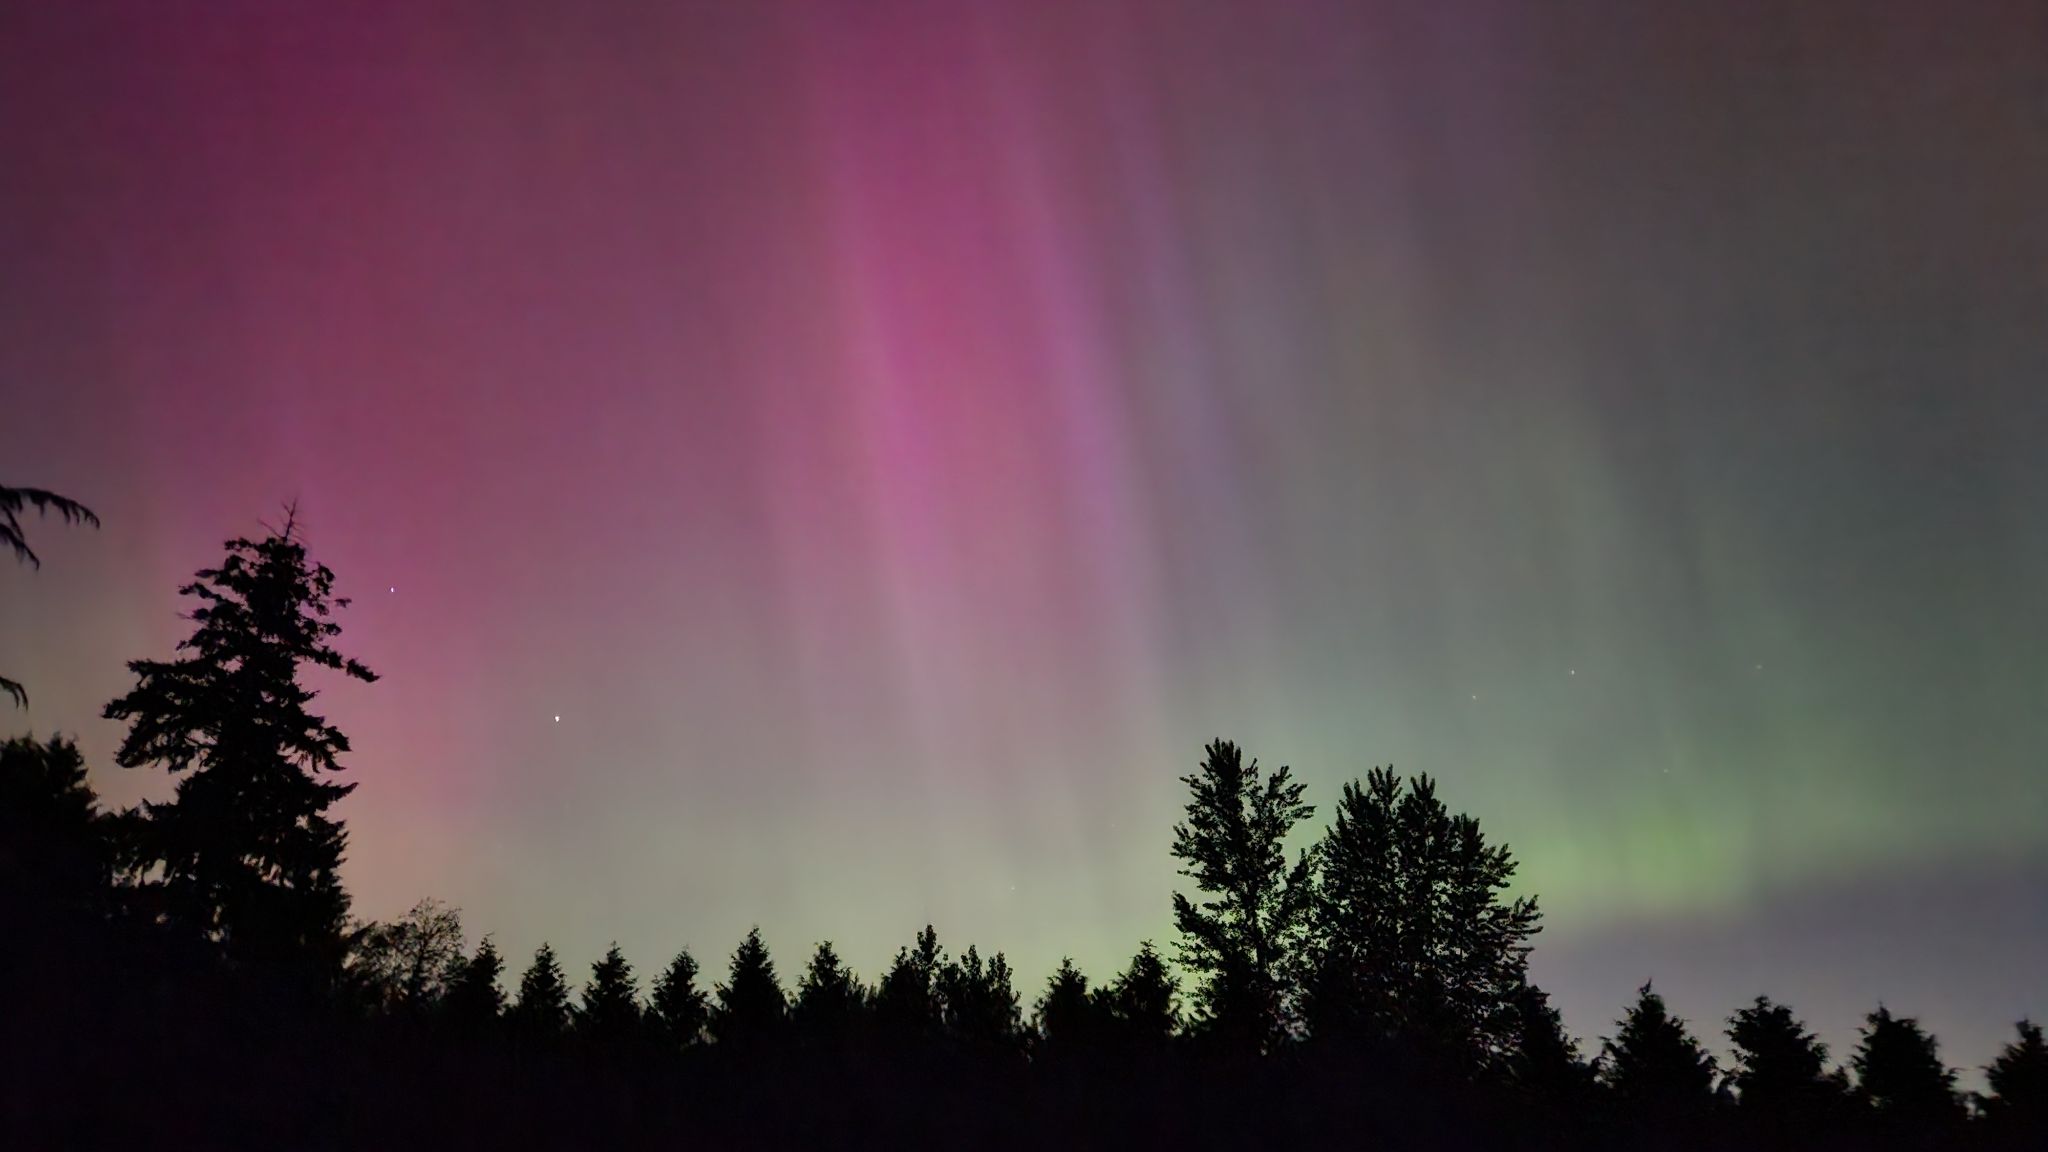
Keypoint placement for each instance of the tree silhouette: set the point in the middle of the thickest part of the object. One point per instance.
(829, 999)
(1068, 1017)
(751, 1009)
(1412, 935)
(541, 1014)
(245, 852)
(2017, 1109)
(610, 1015)
(906, 1000)
(679, 1008)
(979, 1002)
(1900, 1076)
(1545, 1061)
(1784, 1090)
(1658, 1071)
(474, 1000)
(1232, 846)
(54, 852)
(408, 964)
(13, 502)
(1144, 1002)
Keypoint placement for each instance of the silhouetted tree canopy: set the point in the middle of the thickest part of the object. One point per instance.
(408, 964)
(906, 999)
(681, 1011)
(1413, 937)
(475, 999)
(1144, 1001)
(829, 998)
(54, 850)
(245, 852)
(1237, 940)
(751, 1009)
(541, 1013)
(1781, 1078)
(2017, 1108)
(979, 1001)
(1656, 1068)
(1067, 1017)
(610, 1015)
(1899, 1074)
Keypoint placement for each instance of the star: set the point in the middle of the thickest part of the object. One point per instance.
(558, 719)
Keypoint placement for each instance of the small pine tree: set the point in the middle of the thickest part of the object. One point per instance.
(1658, 1070)
(1144, 1002)
(541, 1014)
(1900, 1076)
(681, 1011)
(610, 1015)
(245, 853)
(751, 1008)
(2017, 1109)
(829, 998)
(1233, 846)
(475, 1000)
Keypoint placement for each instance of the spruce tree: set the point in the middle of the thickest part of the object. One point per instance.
(681, 1011)
(55, 854)
(541, 1013)
(1413, 936)
(979, 1002)
(610, 1015)
(751, 1008)
(829, 999)
(1900, 1077)
(1240, 937)
(906, 1000)
(2017, 1109)
(475, 1000)
(245, 853)
(1068, 1018)
(1544, 1063)
(1657, 1069)
(1144, 1002)
(1781, 1077)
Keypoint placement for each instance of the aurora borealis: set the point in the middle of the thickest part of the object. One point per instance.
(893, 437)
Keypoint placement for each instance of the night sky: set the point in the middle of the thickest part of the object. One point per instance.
(833, 465)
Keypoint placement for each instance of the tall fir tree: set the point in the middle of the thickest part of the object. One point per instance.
(829, 998)
(751, 1008)
(1241, 936)
(1413, 935)
(680, 1010)
(245, 853)
(475, 998)
(1783, 1090)
(1068, 1018)
(540, 1015)
(1659, 1072)
(610, 1016)
(1900, 1077)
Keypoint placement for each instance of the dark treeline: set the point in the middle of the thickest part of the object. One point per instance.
(187, 973)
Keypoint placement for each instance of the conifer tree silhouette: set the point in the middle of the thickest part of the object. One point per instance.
(610, 1016)
(245, 853)
(1144, 1002)
(2017, 1109)
(829, 998)
(475, 1000)
(751, 1009)
(540, 1015)
(1784, 1092)
(906, 1000)
(1900, 1077)
(681, 1011)
(1545, 1061)
(1657, 1069)
(1232, 845)
(1412, 935)
(55, 854)
(13, 502)
(979, 1001)
(1068, 1018)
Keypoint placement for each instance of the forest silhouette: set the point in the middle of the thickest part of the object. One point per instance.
(187, 974)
